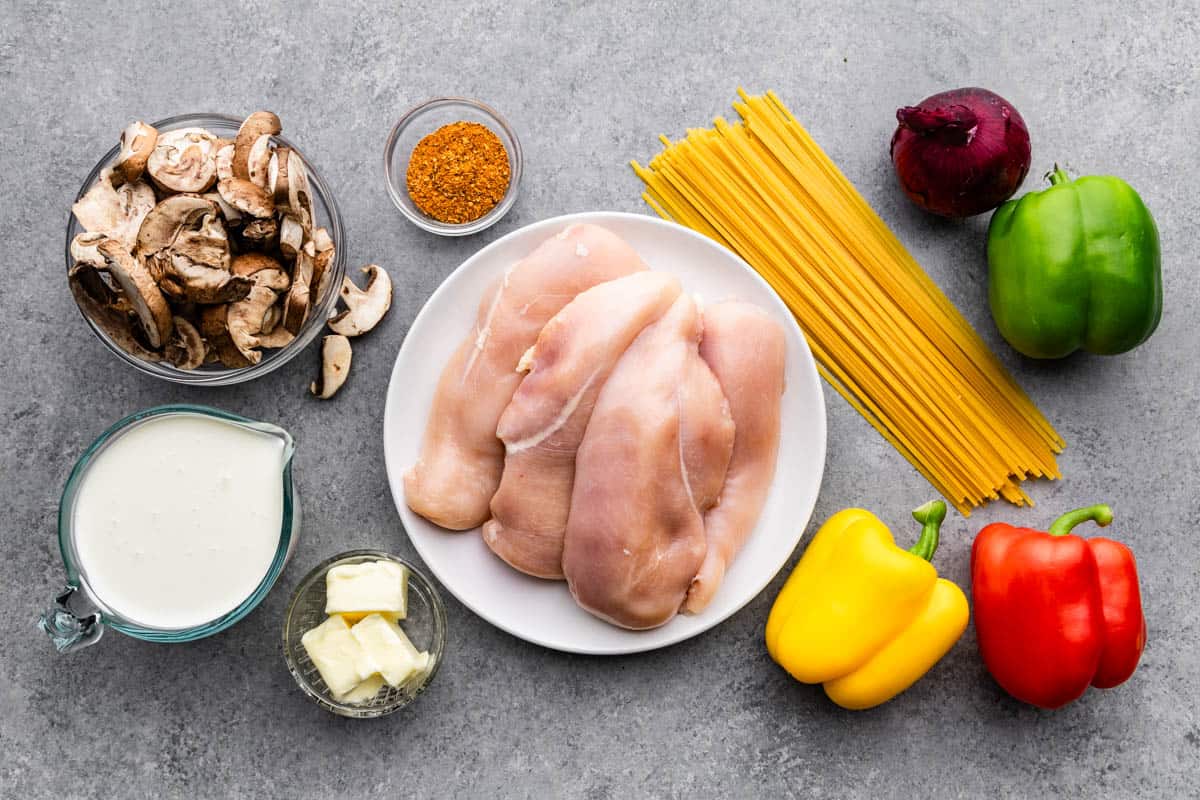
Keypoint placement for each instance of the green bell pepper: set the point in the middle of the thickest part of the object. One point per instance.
(1075, 266)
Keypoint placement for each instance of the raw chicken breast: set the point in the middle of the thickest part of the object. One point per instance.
(461, 459)
(746, 350)
(543, 425)
(651, 463)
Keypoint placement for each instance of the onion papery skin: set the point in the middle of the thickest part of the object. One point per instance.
(960, 153)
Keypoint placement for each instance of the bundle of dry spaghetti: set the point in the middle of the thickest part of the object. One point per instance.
(883, 333)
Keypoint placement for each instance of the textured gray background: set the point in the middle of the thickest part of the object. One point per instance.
(588, 86)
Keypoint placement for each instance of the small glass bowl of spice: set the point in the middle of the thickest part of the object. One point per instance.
(453, 166)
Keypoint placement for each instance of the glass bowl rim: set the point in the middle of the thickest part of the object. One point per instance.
(308, 332)
(118, 621)
(428, 223)
(437, 647)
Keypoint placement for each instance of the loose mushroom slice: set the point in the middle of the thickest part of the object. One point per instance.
(335, 366)
(83, 249)
(184, 160)
(291, 236)
(117, 213)
(246, 197)
(364, 307)
(296, 307)
(256, 126)
(139, 289)
(108, 310)
(215, 329)
(186, 348)
(137, 143)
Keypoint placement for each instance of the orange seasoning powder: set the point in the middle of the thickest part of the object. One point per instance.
(458, 173)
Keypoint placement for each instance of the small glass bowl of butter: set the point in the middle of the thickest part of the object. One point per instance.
(364, 634)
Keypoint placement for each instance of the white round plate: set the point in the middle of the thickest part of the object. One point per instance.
(543, 612)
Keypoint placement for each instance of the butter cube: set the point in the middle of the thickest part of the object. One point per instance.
(389, 649)
(364, 691)
(375, 587)
(338, 656)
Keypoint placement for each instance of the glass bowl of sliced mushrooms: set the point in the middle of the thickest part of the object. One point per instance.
(205, 249)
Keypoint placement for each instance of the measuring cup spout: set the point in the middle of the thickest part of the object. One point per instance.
(65, 628)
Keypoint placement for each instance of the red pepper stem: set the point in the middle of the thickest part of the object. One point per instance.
(931, 515)
(1057, 175)
(1101, 515)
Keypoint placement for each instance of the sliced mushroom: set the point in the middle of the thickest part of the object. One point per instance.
(232, 216)
(184, 160)
(260, 233)
(117, 213)
(320, 265)
(251, 326)
(108, 310)
(83, 249)
(254, 127)
(137, 143)
(225, 162)
(263, 269)
(140, 291)
(185, 280)
(322, 240)
(246, 197)
(291, 236)
(364, 307)
(163, 224)
(296, 307)
(258, 161)
(186, 348)
(206, 243)
(287, 181)
(335, 366)
(215, 329)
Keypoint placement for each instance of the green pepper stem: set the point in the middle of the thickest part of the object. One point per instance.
(931, 515)
(1101, 515)
(1057, 175)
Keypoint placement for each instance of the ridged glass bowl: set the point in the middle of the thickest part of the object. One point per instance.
(422, 120)
(327, 215)
(425, 627)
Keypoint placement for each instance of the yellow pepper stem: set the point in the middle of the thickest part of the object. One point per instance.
(931, 515)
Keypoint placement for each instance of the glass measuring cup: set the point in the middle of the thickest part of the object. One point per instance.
(78, 616)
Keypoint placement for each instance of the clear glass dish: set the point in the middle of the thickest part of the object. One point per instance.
(425, 626)
(422, 120)
(327, 215)
(78, 616)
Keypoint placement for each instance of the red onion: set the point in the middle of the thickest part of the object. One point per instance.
(961, 152)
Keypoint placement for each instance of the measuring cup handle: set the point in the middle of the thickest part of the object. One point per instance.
(67, 630)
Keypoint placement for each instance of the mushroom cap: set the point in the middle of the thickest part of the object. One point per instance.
(336, 356)
(140, 291)
(287, 181)
(258, 161)
(184, 160)
(364, 307)
(137, 143)
(253, 128)
(246, 197)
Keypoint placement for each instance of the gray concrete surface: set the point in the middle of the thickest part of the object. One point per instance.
(588, 86)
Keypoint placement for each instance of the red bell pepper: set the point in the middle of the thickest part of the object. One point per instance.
(1055, 613)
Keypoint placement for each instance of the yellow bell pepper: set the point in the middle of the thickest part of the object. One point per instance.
(862, 616)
